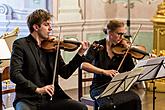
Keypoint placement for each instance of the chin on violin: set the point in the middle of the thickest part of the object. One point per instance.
(137, 51)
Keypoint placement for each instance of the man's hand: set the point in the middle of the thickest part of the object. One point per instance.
(83, 48)
(48, 89)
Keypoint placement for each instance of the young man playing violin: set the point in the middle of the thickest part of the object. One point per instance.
(32, 69)
(104, 64)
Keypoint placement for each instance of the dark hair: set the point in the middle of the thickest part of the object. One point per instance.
(37, 17)
(114, 24)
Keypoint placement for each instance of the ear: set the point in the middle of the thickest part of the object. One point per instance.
(35, 27)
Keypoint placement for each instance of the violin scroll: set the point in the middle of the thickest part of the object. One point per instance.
(97, 46)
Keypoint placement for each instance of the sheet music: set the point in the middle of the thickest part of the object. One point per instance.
(122, 82)
(149, 62)
(151, 67)
(141, 63)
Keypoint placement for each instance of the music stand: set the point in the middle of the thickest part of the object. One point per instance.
(154, 68)
(121, 82)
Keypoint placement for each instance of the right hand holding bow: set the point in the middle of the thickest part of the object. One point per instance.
(48, 89)
(110, 73)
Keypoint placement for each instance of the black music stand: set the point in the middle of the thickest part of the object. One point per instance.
(154, 68)
(121, 82)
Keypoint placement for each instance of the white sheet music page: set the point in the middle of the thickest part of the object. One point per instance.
(122, 82)
(141, 63)
(152, 70)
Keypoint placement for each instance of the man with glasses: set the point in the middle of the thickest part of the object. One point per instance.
(104, 63)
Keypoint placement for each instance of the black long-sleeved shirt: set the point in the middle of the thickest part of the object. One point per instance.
(31, 68)
(101, 59)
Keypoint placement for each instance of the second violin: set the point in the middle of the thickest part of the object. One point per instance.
(137, 51)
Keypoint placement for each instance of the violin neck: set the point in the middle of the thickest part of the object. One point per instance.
(139, 51)
(72, 42)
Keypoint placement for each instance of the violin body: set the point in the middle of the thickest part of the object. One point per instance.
(50, 45)
(137, 51)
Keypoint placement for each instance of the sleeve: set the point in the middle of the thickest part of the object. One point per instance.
(129, 64)
(16, 68)
(92, 52)
(66, 70)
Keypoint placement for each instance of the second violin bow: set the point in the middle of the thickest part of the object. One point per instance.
(129, 47)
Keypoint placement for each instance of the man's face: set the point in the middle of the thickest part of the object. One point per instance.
(44, 29)
(117, 35)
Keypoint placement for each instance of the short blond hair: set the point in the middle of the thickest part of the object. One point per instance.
(114, 24)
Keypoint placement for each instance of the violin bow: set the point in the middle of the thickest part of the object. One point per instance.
(56, 58)
(129, 47)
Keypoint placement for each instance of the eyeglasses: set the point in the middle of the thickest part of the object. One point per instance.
(120, 33)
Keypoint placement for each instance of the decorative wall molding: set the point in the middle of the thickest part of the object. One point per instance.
(69, 28)
(5, 11)
(9, 13)
(99, 24)
(69, 10)
(21, 14)
(131, 1)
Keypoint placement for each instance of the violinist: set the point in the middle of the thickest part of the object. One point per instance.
(104, 64)
(31, 69)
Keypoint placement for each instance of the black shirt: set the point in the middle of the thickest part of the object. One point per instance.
(101, 59)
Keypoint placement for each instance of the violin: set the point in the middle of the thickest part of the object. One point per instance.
(137, 51)
(50, 45)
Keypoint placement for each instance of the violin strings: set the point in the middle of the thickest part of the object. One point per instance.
(129, 47)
